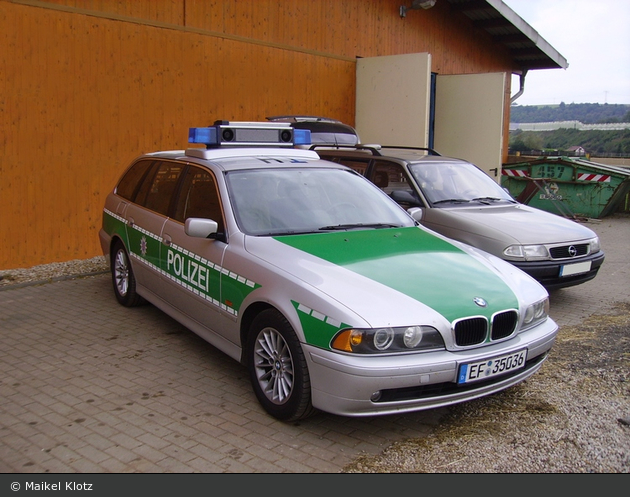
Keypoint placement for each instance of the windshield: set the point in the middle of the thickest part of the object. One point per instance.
(460, 182)
(284, 201)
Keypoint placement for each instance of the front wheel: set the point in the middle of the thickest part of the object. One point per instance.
(123, 278)
(277, 367)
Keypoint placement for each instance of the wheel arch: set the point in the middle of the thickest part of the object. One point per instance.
(112, 243)
(246, 321)
(260, 300)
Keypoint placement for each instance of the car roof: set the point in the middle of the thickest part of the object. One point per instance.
(415, 155)
(236, 158)
(411, 155)
(324, 130)
(231, 145)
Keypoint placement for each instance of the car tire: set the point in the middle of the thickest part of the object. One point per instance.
(277, 367)
(123, 279)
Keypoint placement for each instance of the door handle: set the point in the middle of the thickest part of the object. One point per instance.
(167, 240)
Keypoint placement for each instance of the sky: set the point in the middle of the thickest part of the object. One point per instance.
(593, 36)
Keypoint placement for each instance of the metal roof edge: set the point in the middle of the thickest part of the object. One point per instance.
(519, 23)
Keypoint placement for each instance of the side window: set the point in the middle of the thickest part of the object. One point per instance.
(129, 184)
(391, 177)
(358, 165)
(158, 188)
(199, 197)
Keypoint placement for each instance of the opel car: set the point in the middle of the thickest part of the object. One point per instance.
(459, 200)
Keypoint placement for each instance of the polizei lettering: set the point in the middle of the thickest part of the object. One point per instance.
(188, 270)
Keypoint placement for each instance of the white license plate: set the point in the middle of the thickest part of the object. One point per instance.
(577, 268)
(482, 370)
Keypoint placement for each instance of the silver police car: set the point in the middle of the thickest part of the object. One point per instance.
(330, 294)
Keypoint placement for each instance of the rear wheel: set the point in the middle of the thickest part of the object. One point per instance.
(123, 278)
(277, 367)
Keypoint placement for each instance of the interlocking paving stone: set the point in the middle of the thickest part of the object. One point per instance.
(91, 387)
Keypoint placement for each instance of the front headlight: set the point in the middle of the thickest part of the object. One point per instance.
(527, 252)
(594, 245)
(388, 340)
(536, 313)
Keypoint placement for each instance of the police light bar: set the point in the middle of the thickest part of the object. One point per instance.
(249, 134)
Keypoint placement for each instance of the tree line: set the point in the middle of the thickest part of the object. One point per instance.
(611, 143)
(599, 142)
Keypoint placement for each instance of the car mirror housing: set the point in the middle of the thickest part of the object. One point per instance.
(200, 228)
(416, 213)
(404, 197)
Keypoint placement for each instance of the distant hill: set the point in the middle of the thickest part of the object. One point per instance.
(585, 113)
(610, 143)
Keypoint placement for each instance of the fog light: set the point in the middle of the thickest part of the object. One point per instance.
(376, 396)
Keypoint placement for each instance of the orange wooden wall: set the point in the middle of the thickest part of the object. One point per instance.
(87, 85)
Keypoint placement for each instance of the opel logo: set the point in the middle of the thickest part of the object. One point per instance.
(572, 251)
(480, 302)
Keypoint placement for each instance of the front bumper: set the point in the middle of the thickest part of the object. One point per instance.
(548, 272)
(345, 385)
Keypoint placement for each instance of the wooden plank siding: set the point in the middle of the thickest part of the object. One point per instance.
(85, 86)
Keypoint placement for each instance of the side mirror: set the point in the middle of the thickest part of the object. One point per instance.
(200, 228)
(416, 213)
(404, 197)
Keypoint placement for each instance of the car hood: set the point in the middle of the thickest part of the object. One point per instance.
(395, 272)
(513, 224)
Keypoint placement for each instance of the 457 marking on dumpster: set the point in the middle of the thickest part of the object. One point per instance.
(549, 171)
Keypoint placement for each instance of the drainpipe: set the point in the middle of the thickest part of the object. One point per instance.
(522, 86)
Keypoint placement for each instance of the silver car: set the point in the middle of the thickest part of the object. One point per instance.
(457, 199)
(331, 295)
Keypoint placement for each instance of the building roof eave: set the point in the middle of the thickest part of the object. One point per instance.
(527, 47)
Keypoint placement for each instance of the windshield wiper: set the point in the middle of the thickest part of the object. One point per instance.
(486, 200)
(344, 227)
(461, 200)
(290, 232)
(333, 227)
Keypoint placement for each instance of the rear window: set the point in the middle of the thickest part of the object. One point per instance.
(158, 188)
(130, 183)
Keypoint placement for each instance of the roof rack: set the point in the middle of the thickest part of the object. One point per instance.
(375, 149)
(371, 148)
(302, 118)
(430, 150)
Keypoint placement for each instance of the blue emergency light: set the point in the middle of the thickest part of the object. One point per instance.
(249, 134)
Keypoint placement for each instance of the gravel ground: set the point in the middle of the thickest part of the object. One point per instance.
(56, 271)
(574, 417)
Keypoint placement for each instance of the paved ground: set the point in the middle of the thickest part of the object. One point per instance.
(88, 386)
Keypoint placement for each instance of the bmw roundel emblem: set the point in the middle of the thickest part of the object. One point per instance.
(480, 302)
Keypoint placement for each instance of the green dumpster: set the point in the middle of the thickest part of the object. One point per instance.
(568, 186)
